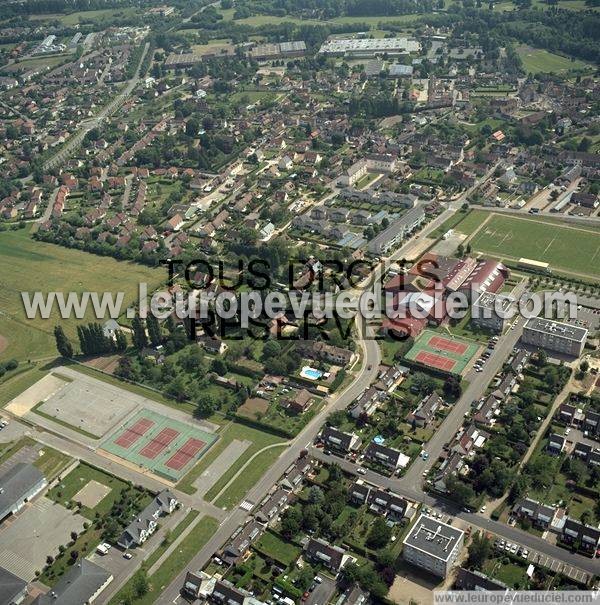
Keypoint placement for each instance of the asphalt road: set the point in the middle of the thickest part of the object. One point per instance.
(406, 488)
(364, 377)
(76, 138)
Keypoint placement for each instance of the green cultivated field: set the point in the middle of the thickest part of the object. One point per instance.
(28, 265)
(536, 60)
(569, 249)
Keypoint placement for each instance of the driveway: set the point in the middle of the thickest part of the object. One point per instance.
(322, 592)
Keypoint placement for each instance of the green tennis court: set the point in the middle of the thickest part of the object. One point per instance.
(163, 445)
(442, 352)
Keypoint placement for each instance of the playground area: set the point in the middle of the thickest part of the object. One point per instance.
(444, 353)
(163, 445)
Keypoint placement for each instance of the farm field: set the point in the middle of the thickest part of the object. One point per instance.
(572, 249)
(37, 266)
(536, 60)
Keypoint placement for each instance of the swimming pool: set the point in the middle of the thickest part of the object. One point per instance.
(311, 373)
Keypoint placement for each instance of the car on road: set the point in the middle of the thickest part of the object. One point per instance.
(127, 556)
(424, 455)
(361, 471)
(318, 579)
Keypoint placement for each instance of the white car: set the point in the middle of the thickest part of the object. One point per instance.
(361, 471)
(482, 509)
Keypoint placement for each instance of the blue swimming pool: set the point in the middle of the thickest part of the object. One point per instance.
(311, 373)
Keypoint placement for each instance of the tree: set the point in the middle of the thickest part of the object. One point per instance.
(139, 338)
(218, 366)
(459, 491)
(154, 332)
(63, 344)
(479, 551)
(205, 405)
(140, 583)
(120, 340)
(290, 523)
(316, 495)
(380, 534)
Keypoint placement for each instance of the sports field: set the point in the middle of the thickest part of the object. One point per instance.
(444, 353)
(568, 248)
(162, 445)
(537, 60)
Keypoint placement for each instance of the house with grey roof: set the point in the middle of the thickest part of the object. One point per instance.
(146, 523)
(332, 557)
(339, 440)
(19, 485)
(81, 584)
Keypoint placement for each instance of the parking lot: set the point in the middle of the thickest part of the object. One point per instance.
(38, 531)
(542, 560)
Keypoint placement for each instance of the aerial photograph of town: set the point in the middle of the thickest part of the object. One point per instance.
(299, 302)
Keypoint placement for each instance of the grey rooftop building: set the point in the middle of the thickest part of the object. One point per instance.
(18, 486)
(79, 586)
(555, 336)
(433, 545)
(13, 590)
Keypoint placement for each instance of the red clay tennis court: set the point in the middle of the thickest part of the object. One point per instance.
(445, 344)
(133, 433)
(435, 361)
(185, 453)
(159, 443)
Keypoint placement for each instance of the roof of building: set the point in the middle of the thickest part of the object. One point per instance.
(332, 556)
(11, 587)
(563, 330)
(82, 581)
(433, 537)
(17, 482)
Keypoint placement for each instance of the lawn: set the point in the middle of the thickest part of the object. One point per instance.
(174, 564)
(512, 575)
(240, 487)
(571, 249)
(7, 450)
(274, 547)
(234, 430)
(52, 462)
(64, 492)
(536, 60)
(172, 536)
(31, 266)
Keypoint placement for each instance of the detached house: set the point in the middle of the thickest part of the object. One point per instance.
(340, 441)
(332, 557)
(425, 411)
(386, 456)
